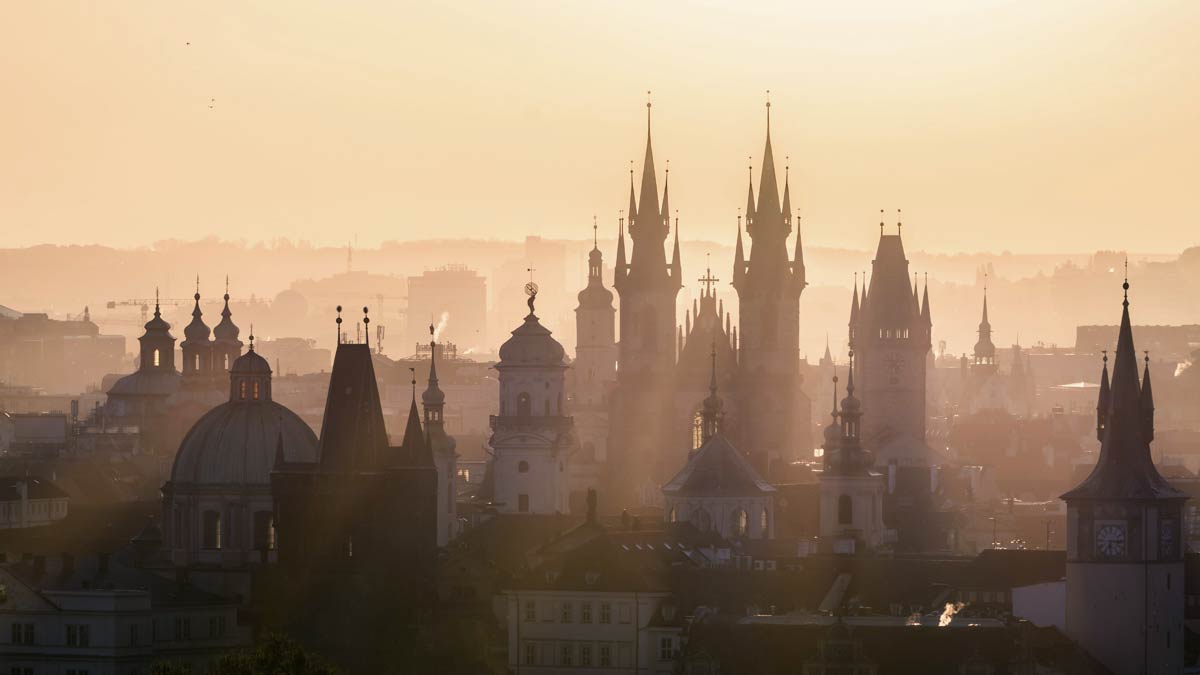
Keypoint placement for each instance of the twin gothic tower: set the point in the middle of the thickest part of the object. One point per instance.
(652, 401)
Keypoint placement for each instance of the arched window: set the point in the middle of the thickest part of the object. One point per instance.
(701, 519)
(242, 390)
(764, 521)
(741, 522)
(196, 362)
(256, 390)
(157, 358)
(226, 362)
(845, 510)
(697, 430)
(673, 517)
(212, 530)
(524, 404)
(523, 467)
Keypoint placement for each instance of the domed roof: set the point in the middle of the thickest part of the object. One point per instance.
(146, 383)
(157, 325)
(531, 345)
(250, 363)
(594, 295)
(235, 442)
(226, 331)
(197, 330)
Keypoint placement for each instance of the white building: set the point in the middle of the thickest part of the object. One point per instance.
(599, 604)
(30, 502)
(532, 438)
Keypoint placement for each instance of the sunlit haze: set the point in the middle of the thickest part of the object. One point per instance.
(1033, 127)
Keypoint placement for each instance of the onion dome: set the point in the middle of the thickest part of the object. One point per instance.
(226, 331)
(197, 331)
(531, 345)
(157, 326)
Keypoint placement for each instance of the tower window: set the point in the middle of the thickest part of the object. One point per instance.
(196, 362)
(741, 522)
(242, 390)
(763, 521)
(524, 404)
(212, 530)
(845, 510)
(256, 390)
(157, 358)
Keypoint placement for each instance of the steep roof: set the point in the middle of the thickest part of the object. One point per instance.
(353, 434)
(718, 469)
(1125, 469)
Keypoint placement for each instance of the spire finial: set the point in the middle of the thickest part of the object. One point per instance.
(899, 222)
(708, 280)
(367, 327)
(768, 112)
(197, 286)
(413, 373)
(712, 382)
(647, 113)
(251, 337)
(339, 324)
(1105, 359)
(1125, 285)
(595, 233)
(881, 222)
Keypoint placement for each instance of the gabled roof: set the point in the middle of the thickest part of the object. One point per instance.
(718, 469)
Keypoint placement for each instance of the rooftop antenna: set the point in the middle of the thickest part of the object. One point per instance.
(339, 324)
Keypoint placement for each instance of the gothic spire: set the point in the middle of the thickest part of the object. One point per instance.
(787, 194)
(676, 267)
(1103, 401)
(1146, 401)
(620, 269)
(647, 209)
(739, 257)
(925, 313)
(768, 185)
(798, 272)
(750, 197)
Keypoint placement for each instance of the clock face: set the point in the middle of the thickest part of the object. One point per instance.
(1110, 541)
(894, 364)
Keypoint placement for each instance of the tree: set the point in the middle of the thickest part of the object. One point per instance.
(275, 655)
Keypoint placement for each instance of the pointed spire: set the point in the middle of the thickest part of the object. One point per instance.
(620, 270)
(984, 322)
(648, 198)
(799, 274)
(787, 192)
(926, 314)
(687, 320)
(854, 308)
(768, 184)
(1146, 401)
(1125, 393)
(710, 416)
(632, 214)
(827, 356)
(666, 200)
(750, 194)
(739, 257)
(916, 297)
(676, 266)
(414, 438)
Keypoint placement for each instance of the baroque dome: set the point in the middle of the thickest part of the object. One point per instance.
(235, 443)
(531, 345)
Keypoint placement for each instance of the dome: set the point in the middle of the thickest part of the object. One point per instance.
(146, 383)
(226, 331)
(595, 295)
(157, 325)
(197, 330)
(832, 433)
(531, 345)
(250, 363)
(234, 444)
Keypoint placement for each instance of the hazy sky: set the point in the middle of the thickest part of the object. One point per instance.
(1030, 126)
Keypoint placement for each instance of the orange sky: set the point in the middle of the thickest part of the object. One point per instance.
(1032, 126)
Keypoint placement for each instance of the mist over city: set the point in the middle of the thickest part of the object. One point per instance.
(561, 338)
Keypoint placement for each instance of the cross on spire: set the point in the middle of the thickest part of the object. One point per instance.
(708, 279)
(768, 112)
(595, 233)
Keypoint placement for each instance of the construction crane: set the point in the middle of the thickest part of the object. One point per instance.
(144, 304)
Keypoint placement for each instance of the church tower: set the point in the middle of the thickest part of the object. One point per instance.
(851, 511)
(226, 347)
(890, 330)
(197, 347)
(1125, 570)
(985, 389)
(769, 285)
(533, 438)
(647, 286)
(595, 361)
(442, 446)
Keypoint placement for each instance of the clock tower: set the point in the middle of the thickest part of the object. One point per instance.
(1124, 555)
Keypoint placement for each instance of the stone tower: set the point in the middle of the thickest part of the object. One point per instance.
(769, 285)
(595, 363)
(1125, 570)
